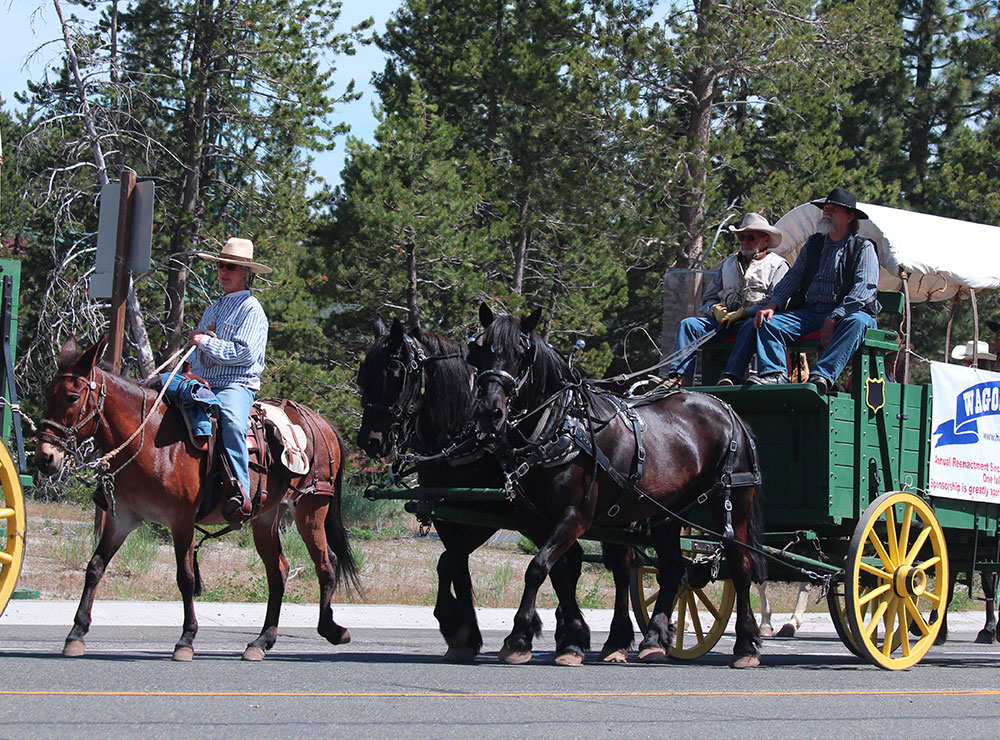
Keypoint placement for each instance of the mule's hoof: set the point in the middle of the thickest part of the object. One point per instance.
(745, 661)
(569, 658)
(73, 649)
(985, 637)
(514, 657)
(766, 630)
(183, 654)
(787, 630)
(345, 637)
(652, 655)
(614, 656)
(253, 653)
(463, 655)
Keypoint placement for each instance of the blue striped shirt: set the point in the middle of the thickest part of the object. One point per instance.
(821, 293)
(235, 355)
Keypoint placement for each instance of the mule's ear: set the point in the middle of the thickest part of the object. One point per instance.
(530, 323)
(88, 359)
(485, 315)
(396, 333)
(378, 326)
(70, 350)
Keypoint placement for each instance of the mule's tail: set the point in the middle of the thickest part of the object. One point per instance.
(336, 535)
(755, 514)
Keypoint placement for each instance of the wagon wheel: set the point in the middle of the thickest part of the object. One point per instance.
(836, 602)
(694, 638)
(896, 574)
(12, 525)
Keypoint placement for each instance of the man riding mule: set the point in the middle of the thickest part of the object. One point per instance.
(155, 472)
(641, 462)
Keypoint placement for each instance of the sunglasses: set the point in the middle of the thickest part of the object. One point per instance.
(228, 267)
(747, 237)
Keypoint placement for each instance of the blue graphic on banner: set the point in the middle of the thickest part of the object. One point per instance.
(973, 403)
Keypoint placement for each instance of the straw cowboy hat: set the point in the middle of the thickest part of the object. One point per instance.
(756, 222)
(238, 252)
(964, 352)
(841, 197)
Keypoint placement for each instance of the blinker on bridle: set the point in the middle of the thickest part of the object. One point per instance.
(510, 384)
(403, 410)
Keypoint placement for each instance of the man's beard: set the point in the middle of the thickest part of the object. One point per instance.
(749, 253)
(825, 225)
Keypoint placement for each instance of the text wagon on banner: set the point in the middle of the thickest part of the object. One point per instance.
(965, 444)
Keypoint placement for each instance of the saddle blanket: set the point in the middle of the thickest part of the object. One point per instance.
(293, 438)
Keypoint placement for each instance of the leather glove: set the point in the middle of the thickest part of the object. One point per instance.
(732, 318)
(719, 313)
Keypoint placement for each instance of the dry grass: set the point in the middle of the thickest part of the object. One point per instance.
(395, 568)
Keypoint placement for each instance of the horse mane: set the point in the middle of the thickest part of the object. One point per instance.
(448, 399)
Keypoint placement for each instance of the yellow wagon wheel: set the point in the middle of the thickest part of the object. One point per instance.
(12, 526)
(696, 635)
(896, 575)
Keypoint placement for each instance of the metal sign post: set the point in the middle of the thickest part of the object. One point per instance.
(123, 250)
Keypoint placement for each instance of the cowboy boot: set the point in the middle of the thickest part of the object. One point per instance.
(238, 507)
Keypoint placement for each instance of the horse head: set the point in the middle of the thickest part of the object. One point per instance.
(74, 402)
(503, 359)
(390, 381)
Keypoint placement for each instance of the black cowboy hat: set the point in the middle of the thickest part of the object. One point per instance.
(841, 197)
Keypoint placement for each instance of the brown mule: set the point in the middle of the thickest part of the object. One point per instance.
(158, 477)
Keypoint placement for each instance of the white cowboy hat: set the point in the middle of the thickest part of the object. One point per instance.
(964, 352)
(237, 252)
(756, 222)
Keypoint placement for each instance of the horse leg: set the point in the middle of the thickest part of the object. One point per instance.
(454, 607)
(942, 635)
(989, 631)
(619, 560)
(793, 625)
(572, 633)
(527, 624)
(116, 529)
(183, 536)
(746, 650)
(310, 515)
(659, 637)
(268, 546)
(766, 630)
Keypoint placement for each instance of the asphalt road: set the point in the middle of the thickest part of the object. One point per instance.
(390, 683)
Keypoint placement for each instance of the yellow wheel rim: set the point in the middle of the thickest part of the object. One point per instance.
(12, 525)
(896, 576)
(700, 614)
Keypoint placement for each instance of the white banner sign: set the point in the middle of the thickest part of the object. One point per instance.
(965, 440)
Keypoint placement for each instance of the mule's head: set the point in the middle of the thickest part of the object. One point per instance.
(73, 404)
(502, 358)
(389, 381)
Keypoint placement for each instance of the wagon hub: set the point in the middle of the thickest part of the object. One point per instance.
(908, 581)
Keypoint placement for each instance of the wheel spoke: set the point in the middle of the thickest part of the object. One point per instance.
(904, 627)
(707, 601)
(917, 544)
(904, 530)
(881, 574)
(880, 549)
(890, 534)
(695, 617)
(6, 558)
(890, 627)
(873, 594)
(681, 617)
(7, 513)
(917, 617)
(876, 617)
(929, 563)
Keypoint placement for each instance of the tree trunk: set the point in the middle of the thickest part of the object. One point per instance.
(521, 249)
(412, 309)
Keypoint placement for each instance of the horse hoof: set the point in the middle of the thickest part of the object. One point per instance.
(73, 649)
(183, 654)
(569, 658)
(514, 657)
(464, 655)
(253, 653)
(985, 637)
(745, 661)
(345, 638)
(614, 656)
(766, 631)
(652, 655)
(787, 630)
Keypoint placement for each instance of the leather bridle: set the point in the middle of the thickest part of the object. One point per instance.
(403, 412)
(69, 438)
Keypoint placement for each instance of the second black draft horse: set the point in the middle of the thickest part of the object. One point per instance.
(417, 394)
(692, 443)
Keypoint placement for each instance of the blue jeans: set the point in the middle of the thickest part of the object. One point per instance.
(771, 340)
(235, 402)
(690, 330)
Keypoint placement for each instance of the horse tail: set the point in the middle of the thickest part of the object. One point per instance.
(755, 515)
(197, 575)
(336, 534)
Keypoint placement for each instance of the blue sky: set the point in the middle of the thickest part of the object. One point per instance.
(26, 25)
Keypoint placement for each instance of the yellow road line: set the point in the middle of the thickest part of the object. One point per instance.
(504, 695)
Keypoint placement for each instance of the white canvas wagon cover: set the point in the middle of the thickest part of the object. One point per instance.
(944, 256)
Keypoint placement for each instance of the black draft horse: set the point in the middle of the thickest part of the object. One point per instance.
(417, 393)
(691, 441)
